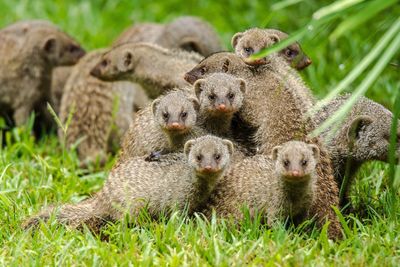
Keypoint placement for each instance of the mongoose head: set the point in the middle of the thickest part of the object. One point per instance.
(116, 64)
(57, 48)
(368, 137)
(295, 161)
(254, 40)
(190, 34)
(223, 62)
(175, 112)
(209, 155)
(220, 94)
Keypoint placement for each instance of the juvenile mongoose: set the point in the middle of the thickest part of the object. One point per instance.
(254, 40)
(275, 105)
(155, 68)
(164, 126)
(29, 51)
(101, 111)
(363, 136)
(175, 180)
(186, 33)
(283, 187)
(220, 96)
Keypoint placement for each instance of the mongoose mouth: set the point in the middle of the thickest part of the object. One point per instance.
(295, 176)
(175, 127)
(255, 62)
(208, 170)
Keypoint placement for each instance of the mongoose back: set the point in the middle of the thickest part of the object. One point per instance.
(97, 108)
(155, 68)
(175, 180)
(186, 33)
(220, 96)
(279, 188)
(164, 126)
(363, 136)
(29, 50)
(254, 40)
(276, 105)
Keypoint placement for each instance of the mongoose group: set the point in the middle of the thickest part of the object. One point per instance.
(201, 129)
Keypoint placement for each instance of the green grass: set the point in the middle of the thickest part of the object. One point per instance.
(36, 173)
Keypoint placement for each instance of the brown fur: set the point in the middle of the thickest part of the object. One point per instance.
(254, 40)
(175, 180)
(29, 51)
(157, 69)
(270, 187)
(94, 118)
(186, 33)
(363, 136)
(151, 132)
(276, 104)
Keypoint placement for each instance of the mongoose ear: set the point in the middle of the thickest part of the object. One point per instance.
(236, 38)
(315, 150)
(197, 87)
(242, 84)
(195, 102)
(229, 144)
(154, 105)
(188, 147)
(190, 44)
(225, 66)
(274, 38)
(50, 45)
(275, 152)
(357, 126)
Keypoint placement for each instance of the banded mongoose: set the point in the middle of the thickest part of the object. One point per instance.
(186, 33)
(165, 126)
(285, 186)
(254, 40)
(156, 69)
(29, 50)
(276, 105)
(220, 96)
(175, 180)
(363, 136)
(101, 111)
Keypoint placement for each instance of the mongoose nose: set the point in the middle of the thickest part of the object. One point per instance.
(175, 126)
(189, 78)
(295, 173)
(308, 62)
(221, 107)
(209, 169)
(255, 62)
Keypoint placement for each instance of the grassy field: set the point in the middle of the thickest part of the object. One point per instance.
(36, 173)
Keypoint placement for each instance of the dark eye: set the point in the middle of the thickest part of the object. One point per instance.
(199, 157)
(290, 53)
(165, 115)
(184, 114)
(286, 163)
(203, 71)
(304, 162)
(249, 50)
(217, 157)
(231, 95)
(104, 63)
(211, 97)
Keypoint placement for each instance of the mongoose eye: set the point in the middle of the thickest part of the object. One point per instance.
(217, 156)
(165, 115)
(286, 163)
(231, 95)
(304, 162)
(199, 157)
(203, 71)
(104, 63)
(249, 50)
(291, 53)
(184, 114)
(211, 97)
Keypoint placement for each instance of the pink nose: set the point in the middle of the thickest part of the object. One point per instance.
(221, 107)
(174, 125)
(295, 173)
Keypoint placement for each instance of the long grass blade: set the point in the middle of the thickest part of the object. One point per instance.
(335, 7)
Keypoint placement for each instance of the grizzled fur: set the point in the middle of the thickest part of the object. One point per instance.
(175, 180)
